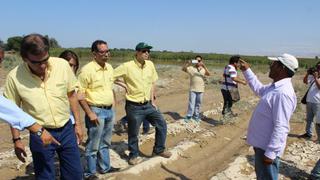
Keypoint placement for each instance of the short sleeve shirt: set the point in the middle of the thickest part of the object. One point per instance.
(139, 79)
(229, 72)
(46, 101)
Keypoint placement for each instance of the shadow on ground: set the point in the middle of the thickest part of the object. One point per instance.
(179, 175)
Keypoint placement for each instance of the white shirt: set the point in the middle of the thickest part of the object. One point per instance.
(229, 72)
(10, 113)
(269, 125)
(314, 92)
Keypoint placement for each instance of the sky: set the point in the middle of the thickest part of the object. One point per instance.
(246, 27)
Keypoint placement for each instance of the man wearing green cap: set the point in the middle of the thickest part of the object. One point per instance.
(140, 76)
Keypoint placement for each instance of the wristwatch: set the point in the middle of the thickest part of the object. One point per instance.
(39, 132)
(16, 139)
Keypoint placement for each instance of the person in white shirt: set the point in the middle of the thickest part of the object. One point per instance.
(229, 82)
(269, 125)
(313, 100)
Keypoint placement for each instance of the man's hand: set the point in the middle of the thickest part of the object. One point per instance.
(79, 134)
(201, 63)
(19, 150)
(81, 96)
(244, 82)
(315, 75)
(154, 105)
(47, 139)
(93, 118)
(244, 65)
(267, 161)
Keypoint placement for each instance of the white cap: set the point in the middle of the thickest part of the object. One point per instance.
(288, 60)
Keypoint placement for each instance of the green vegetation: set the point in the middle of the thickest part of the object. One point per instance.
(161, 57)
(168, 57)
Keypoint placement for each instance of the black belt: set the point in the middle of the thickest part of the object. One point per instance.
(137, 103)
(60, 128)
(102, 107)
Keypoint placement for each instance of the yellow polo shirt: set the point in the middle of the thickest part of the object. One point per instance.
(137, 78)
(46, 101)
(96, 83)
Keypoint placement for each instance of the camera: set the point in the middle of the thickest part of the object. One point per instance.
(194, 61)
(311, 70)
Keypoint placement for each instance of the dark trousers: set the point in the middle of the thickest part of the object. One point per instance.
(145, 124)
(136, 114)
(68, 152)
(227, 101)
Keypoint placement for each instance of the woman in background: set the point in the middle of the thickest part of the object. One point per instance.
(73, 61)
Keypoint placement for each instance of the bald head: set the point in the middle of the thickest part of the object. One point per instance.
(34, 44)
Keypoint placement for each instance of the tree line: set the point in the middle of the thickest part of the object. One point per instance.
(13, 43)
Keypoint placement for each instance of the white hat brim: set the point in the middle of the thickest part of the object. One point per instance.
(273, 58)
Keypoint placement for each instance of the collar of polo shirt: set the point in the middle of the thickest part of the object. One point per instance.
(140, 65)
(98, 67)
(48, 70)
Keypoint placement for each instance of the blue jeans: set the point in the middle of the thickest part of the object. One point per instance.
(318, 132)
(68, 152)
(135, 115)
(99, 141)
(227, 101)
(145, 123)
(265, 172)
(195, 100)
(313, 110)
(316, 171)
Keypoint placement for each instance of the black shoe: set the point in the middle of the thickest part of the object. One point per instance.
(91, 177)
(305, 136)
(111, 170)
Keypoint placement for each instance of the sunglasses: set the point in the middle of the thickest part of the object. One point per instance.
(144, 51)
(45, 60)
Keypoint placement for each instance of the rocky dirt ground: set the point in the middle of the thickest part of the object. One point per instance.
(212, 149)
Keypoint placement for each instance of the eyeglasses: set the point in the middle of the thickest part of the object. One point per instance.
(45, 60)
(103, 52)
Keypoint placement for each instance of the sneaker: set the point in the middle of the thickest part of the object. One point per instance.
(164, 154)
(91, 177)
(187, 119)
(111, 170)
(134, 160)
(305, 136)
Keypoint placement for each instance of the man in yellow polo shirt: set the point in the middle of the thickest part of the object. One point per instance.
(96, 81)
(139, 76)
(44, 88)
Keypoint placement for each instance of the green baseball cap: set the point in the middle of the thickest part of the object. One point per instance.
(143, 45)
